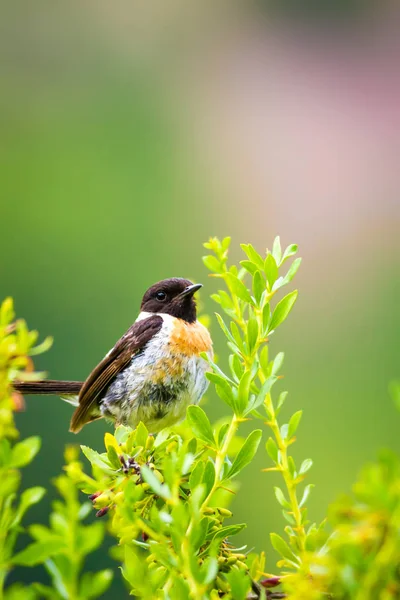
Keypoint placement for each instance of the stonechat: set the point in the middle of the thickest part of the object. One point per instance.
(152, 374)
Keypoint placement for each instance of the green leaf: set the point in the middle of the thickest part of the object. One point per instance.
(265, 389)
(224, 300)
(93, 585)
(158, 488)
(226, 242)
(90, 537)
(10, 484)
(237, 335)
(294, 267)
(179, 589)
(6, 312)
(306, 493)
(38, 590)
(197, 536)
(236, 367)
(225, 395)
(276, 250)
(272, 449)
(122, 433)
(95, 458)
(290, 251)
(264, 358)
(133, 569)
(224, 328)
(278, 284)
(266, 317)
(212, 263)
(252, 333)
(278, 362)
(38, 552)
(238, 288)
(239, 582)
(85, 510)
(188, 460)
(288, 517)
(209, 476)
(24, 452)
(32, 496)
(28, 498)
(113, 457)
(222, 388)
(281, 399)
(40, 348)
(284, 431)
(243, 397)
(253, 255)
(246, 453)
(282, 310)
(209, 570)
(282, 547)
(227, 531)
(305, 466)
(294, 423)
(200, 424)
(141, 434)
(280, 496)
(258, 286)
(271, 270)
(57, 578)
(249, 266)
(196, 476)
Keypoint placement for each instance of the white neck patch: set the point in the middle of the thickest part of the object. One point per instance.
(145, 315)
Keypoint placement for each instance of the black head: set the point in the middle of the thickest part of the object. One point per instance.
(173, 297)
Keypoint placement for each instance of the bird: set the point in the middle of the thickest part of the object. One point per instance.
(153, 372)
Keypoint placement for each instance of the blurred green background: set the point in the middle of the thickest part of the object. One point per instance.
(131, 134)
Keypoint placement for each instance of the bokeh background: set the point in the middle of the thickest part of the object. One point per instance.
(131, 132)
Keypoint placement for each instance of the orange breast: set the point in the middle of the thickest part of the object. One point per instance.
(190, 338)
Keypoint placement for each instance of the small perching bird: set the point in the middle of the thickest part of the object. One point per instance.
(152, 374)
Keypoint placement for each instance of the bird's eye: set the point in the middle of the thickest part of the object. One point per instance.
(161, 296)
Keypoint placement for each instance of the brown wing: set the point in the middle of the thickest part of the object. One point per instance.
(112, 364)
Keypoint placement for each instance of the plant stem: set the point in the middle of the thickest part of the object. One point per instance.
(284, 467)
(196, 592)
(221, 455)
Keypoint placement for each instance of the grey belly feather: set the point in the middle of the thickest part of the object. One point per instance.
(146, 391)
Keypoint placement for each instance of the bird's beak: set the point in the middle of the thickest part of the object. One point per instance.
(190, 290)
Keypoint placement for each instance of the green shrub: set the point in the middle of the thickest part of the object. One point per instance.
(166, 497)
(62, 546)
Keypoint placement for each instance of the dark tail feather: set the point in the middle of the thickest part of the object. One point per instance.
(77, 423)
(48, 386)
(58, 388)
